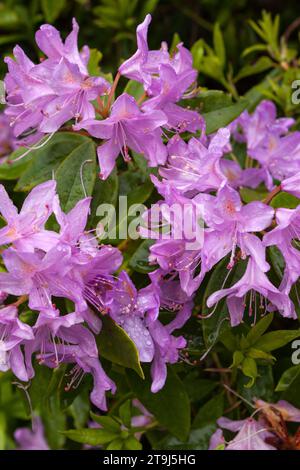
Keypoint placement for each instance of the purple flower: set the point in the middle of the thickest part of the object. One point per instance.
(7, 140)
(128, 127)
(34, 439)
(230, 225)
(26, 228)
(261, 125)
(194, 166)
(282, 236)
(217, 440)
(51, 330)
(43, 97)
(49, 41)
(166, 79)
(40, 277)
(251, 434)
(291, 185)
(13, 333)
(254, 282)
(137, 311)
(287, 411)
(237, 177)
(267, 142)
(136, 67)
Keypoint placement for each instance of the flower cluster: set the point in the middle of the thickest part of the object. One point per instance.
(42, 97)
(43, 266)
(207, 174)
(266, 429)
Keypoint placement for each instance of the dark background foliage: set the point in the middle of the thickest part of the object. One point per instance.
(109, 25)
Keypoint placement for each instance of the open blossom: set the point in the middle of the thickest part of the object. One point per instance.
(34, 439)
(26, 228)
(282, 236)
(193, 166)
(251, 435)
(61, 339)
(265, 430)
(13, 333)
(128, 127)
(268, 141)
(292, 184)
(136, 312)
(166, 78)
(42, 97)
(7, 140)
(255, 282)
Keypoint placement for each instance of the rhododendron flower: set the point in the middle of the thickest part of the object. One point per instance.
(268, 142)
(128, 127)
(166, 78)
(7, 140)
(254, 281)
(194, 166)
(282, 236)
(26, 228)
(251, 435)
(287, 411)
(34, 439)
(292, 185)
(13, 333)
(43, 97)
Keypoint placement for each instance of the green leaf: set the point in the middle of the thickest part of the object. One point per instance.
(134, 89)
(125, 413)
(219, 46)
(277, 261)
(249, 369)
(116, 346)
(254, 48)
(262, 388)
(285, 200)
(3, 430)
(229, 340)
(210, 412)
(250, 195)
(107, 422)
(45, 161)
(92, 437)
(139, 260)
(210, 100)
(204, 425)
(105, 192)
(287, 379)
(258, 330)
(224, 116)
(215, 326)
(131, 443)
(258, 354)
(11, 170)
(76, 175)
(93, 65)
(116, 444)
(276, 339)
(52, 9)
(170, 406)
(261, 65)
(238, 357)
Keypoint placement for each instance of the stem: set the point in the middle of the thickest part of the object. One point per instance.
(21, 300)
(111, 95)
(272, 194)
(142, 98)
(225, 379)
